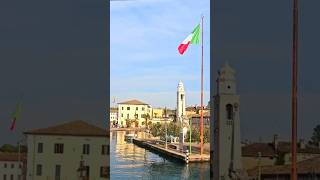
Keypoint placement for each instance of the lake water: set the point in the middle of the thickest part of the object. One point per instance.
(129, 161)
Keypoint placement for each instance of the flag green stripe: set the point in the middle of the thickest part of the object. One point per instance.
(196, 35)
(17, 112)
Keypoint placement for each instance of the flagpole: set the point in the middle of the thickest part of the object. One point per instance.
(294, 105)
(201, 110)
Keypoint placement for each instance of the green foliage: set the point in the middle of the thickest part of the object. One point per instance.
(128, 122)
(195, 134)
(173, 129)
(315, 138)
(155, 130)
(8, 148)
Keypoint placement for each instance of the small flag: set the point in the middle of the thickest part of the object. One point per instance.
(193, 38)
(16, 115)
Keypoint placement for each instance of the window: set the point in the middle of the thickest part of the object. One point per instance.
(104, 171)
(19, 177)
(86, 149)
(58, 148)
(20, 166)
(11, 177)
(142, 115)
(40, 147)
(39, 170)
(87, 171)
(105, 149)
(127, 116)
(57, 172)
(229, 109)
(121, 115)
(12, 166)
(128, 108)
(4, 177)
(142, 108)
(137, 108)
(5, 165)
(122, 108)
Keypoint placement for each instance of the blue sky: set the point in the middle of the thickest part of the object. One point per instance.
(145, 63)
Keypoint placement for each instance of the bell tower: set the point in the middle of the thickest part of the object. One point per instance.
(226, 154)
(181, 102)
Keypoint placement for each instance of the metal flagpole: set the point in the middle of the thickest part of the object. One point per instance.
(201, 110)
(294, 105)
(190, 131)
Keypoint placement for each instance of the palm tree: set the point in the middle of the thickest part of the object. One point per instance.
(146, 117)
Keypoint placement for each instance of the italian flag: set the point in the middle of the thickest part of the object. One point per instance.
(193, 38)
(16, 115)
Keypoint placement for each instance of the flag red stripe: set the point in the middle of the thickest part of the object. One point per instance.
(13, 124)
(183, 47)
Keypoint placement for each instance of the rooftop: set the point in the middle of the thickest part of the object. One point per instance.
(113, 110)
(73, 128)
(6, 156)
(133, 102)
(268, 150)
(308, 166)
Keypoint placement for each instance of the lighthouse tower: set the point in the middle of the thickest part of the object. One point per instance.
(181, 102)
(226, 154)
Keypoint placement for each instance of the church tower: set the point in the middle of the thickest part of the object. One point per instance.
(181, 102)
(226, 154)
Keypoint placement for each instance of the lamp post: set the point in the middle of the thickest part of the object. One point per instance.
(166, 118)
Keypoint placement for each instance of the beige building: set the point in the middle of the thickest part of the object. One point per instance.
(133, 110)
(68, 151)
(276, 153)
(12, 166)
(113, 116)
(157, 113)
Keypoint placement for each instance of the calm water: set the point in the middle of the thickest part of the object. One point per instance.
(129, 161)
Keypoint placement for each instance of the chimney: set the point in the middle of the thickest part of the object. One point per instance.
(275, 142)
(302, 144)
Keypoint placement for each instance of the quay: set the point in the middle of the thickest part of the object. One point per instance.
(171, 151)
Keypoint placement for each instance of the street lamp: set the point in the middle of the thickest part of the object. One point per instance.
(166, 118)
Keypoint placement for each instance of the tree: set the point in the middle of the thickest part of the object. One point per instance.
(8, 148)
(147, 117)
(128, 122)
(155, 130)
(195, 134)
(315, 138)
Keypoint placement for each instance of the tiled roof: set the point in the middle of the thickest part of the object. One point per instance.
(205, 114)
(133, 102)
(253, 149)
(303, 167)
(267, 149)
(113, 110)
(74, 128)
(6, 156)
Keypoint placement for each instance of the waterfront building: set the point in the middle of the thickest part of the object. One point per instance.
(157, 112)
(12, 166)
(68, 151)
(195, 119)
(135, 111)
(306, 169)
(113, 116)
(276, 153)
(225, 152)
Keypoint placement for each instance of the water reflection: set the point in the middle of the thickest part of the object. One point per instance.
(129, 161)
